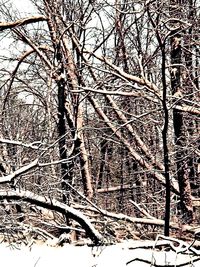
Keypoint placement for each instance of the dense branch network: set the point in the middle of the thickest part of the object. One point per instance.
(100, 96)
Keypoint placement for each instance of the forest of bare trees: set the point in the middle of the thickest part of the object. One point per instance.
(100, 108)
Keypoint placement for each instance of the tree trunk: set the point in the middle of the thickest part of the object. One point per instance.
(68, 113)
(178, 120)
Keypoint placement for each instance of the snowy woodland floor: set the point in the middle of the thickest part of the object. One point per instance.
(129, 253)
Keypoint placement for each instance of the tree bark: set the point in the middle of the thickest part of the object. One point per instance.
(68, 113)
(178, 120)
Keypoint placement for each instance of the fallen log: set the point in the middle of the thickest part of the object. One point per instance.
(148, 221)
(53, 204)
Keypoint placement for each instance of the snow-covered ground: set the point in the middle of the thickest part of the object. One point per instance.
(73, 256)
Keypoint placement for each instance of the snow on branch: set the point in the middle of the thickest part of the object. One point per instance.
(142, 81)
(18, 143)
(53, 204)
(24, 169)
(148, 220)
(35, 163)
(165, 251)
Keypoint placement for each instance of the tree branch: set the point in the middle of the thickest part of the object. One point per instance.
(21, 22)
(18, 143)
(10, 177)
(53, 204)
(24, 169)
(144, 221)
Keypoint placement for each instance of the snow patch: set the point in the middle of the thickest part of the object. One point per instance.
(119, 255)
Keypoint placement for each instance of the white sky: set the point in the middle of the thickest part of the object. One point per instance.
(23, 5)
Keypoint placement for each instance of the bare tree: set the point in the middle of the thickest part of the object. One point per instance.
(100, 105)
